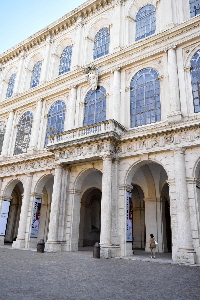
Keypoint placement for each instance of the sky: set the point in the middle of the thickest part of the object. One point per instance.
(20, 19)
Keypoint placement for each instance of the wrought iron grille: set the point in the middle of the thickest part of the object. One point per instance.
(95, 106)
(11, 84)
(65, 60)
(2, 133)
(195, 79)
(145, 105)
(35, 78)
(23, 133)
(56, 119)
(145, 22)
(194, 8)
(101, 43)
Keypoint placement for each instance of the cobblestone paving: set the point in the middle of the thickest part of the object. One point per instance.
(28, 275)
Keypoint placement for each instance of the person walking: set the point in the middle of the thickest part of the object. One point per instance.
(152, 246)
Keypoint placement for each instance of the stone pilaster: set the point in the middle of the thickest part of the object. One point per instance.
(7, 136)
(18, 86)
(185, 251)
(76, 57)
(52, 244)
(174, 94)
(72, 108)
(20, 242)
(150, 219)
(116, 94)
(45, 71)
(35, 128)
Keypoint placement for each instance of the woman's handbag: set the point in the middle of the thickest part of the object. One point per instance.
(156, 243)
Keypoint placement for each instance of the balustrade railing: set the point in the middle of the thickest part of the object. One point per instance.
(90, 130)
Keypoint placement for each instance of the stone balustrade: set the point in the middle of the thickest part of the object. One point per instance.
(109, 126)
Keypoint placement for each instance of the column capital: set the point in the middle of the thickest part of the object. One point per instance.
(180, 150)
(151, 199)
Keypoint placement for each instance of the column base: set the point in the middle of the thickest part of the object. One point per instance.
(2, 240)
(55, 246)
(174, 117)
(18, 244)
(185, 256)
(109, 251)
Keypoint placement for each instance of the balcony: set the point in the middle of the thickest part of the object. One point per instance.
(94, 132)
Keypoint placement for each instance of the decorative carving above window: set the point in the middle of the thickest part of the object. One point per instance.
(194, 8)
(23, 133)
(101, 43)
(56, 119)
(195, 79)
(35, 79)
(92, 76)
(145, 22)
(65, 60)
(95, 106)
(145, 98)
(11, 84)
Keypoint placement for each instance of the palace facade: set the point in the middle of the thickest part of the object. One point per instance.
(100, 131)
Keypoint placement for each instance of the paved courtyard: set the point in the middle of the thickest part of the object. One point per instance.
(28, 275)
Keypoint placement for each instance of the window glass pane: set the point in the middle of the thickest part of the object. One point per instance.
(65, 60)
(95, 106)
(145, 22)
(195, 80)
(145, 98)
(11, 85)
(23, 133)
(35, 78)
(101, 43)
(2, 132)
(194, 7)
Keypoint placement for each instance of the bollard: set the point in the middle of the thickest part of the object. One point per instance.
(40, 246)
(96, 250)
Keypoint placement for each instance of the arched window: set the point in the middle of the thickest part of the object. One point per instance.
(65, 60)
(35, 78)
(195, 78)
(95, 106)
(11, 84)
(23, 133)
(2, 132)
(56, 119)
(145, 22)
(101, 43)
(194, 8)
(145, 98)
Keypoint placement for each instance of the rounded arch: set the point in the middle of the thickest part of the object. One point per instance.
(136, 166)
(145, 106)
(95, 106)
(56, 119)
(41, 183)
(23, 133)
(7, 192)
(96, 25)
(82, 177)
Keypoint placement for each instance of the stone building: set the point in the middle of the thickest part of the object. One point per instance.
(100, 130)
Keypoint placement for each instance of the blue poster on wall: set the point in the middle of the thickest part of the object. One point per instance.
(129, 217)
(36, 217)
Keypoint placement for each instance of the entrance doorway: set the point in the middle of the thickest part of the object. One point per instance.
(90, 218)
(14, 207)
(167, 235)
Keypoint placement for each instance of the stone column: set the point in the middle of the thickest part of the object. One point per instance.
(150, 219)
(116, 94)
(116, 41)
(185, 252)
(35, 128)
(106, 213)
(7, 136)
(174, 94)
(20, 242)
(72, 109)
(52, 244)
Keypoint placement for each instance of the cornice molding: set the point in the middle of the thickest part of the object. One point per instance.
(83, 11)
